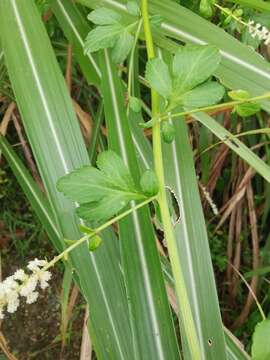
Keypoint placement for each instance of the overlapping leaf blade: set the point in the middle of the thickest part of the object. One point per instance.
(58, 147)
(76, 28)
(192, 240)
(144, 154)
(37, 200)
(149, 313)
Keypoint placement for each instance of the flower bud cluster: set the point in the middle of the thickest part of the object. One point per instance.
(21, 284)
(259, 31)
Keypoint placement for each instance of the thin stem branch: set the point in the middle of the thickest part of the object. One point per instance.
(95, 232)
(230, 13)
(181, 291)
(223, 106)
(131, 64)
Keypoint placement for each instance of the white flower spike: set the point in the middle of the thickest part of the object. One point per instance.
(259, 31)
(24, 285)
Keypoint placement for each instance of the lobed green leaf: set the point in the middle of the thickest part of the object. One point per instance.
(101, 193)
(122, 47)
(261, 344)
(206, 94)
(158, 76)
(102, 37)
(192, 65)
(104, 16)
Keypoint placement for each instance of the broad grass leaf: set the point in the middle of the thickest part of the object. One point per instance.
(206, 94)
(104, 16)
(192, 65)
(261, 345)
(158, 76)
(102, 37)
(122, 47)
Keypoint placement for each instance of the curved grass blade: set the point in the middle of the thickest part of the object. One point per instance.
(191, 238)
(76, 29)
(235, 144)
(193, 242)
(181, 177)
(37, 200)
(235, 350)
(150, 315)
(58, 147)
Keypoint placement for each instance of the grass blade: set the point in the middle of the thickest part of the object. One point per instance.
(37, 200)
(150, 314)
(193, 248)
(76, 28)
(56, 141)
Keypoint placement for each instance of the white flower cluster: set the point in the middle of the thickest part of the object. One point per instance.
(259, 31)
(24, 285)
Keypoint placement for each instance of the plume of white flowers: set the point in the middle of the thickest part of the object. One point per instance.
(21, 284)
(259, 31)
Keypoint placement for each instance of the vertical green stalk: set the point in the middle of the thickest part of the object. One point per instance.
(184, 306)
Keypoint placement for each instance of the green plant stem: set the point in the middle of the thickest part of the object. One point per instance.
(131, 64)
(94, 232)
(224, 106)
(184, 306)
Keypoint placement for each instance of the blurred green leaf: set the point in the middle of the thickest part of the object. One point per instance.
(135, 104)
(102, 37)
(122, 47)
(158, 76)
(261, 345)
(206, 94)
(133, 8)
(104, 16)
(192, 65)
(247, 109)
